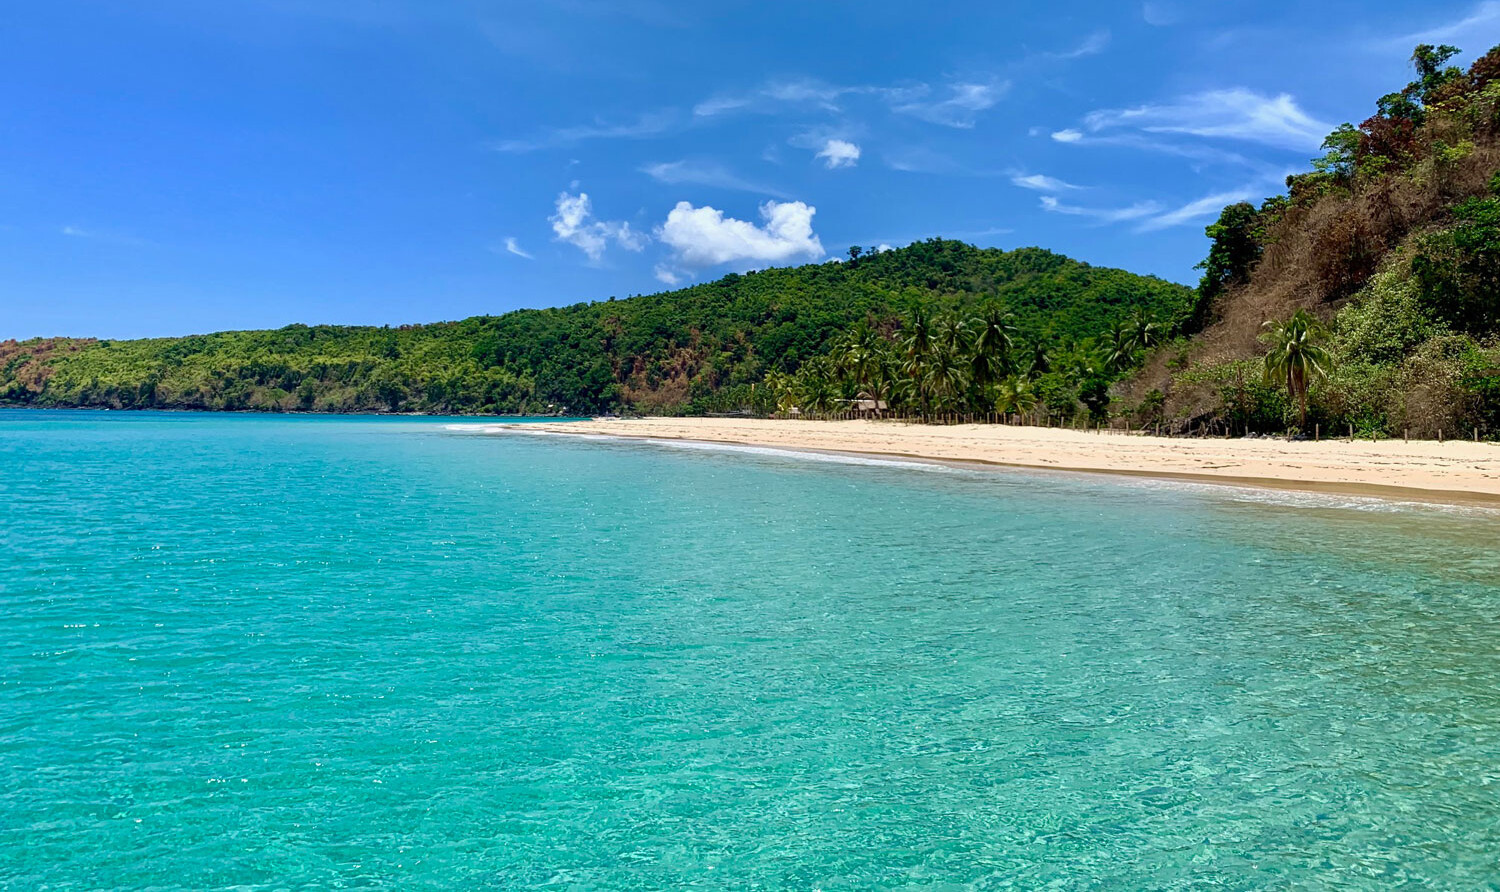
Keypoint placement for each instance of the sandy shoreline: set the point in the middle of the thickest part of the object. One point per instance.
(1455, 471)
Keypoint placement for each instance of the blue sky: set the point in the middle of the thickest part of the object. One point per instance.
(184, 166)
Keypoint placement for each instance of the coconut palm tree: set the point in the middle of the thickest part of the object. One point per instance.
(946, 377)
(783, 388)
(857, 356)
(866, 362)
(994, 339)
(1016, 396)
(1297, 356)
(952, 334)
(882, 383)
(948, 369)
(917, 344)
(1144, 332)
(1040, 362)
(816, 387)
(1119, 348)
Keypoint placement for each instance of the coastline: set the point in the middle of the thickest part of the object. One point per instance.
(1455, 472)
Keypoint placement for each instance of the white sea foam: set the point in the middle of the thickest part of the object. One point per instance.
(1296, 498)
(837, 458)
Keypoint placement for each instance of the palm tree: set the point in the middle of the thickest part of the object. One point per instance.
(917, 345)
(857, 357)
(945, 377)
(993, 343)
(1297, 357)
(783, 388)
(1119, 348)
(948, 368)
(1016, 396)
(1040, 362)
(815, 385)
(883, 374)
(865, 359)
(952, 334)
(1144, 332)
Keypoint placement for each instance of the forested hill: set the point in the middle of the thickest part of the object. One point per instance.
(1366, 297)
(696, 349)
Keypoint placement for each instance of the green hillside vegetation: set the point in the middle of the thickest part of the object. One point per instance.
(1380, 268)
(728, 345)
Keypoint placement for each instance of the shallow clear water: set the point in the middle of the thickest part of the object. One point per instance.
(269, 653)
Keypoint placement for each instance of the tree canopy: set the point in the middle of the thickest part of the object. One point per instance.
(695, 349)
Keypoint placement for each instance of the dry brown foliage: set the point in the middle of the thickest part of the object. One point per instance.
(32, 367)
(669, 382)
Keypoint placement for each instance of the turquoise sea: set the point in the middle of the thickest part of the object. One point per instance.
(247, 652)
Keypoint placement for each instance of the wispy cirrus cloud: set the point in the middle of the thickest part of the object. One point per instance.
(1038, 182)
(1153, 216)
(1237, 114)
(1198, 152)
(955, 104)
(1135, 211)
(99, 235)
(1092, 45)
(960, 107)
(514, 247)
(920, 159)
(1200, 209)
(1480, 27)
(643, 126)
(923, 159)
(1160, 13)
(774, 95)
(705, 173)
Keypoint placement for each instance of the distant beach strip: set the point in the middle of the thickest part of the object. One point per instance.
(1457, 471)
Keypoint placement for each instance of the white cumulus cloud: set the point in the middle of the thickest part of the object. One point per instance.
(703, 236)
(839, 153)
(514, 247)
(574, 223)
(1068, 135)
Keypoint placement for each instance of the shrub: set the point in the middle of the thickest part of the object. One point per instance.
(1457, 271)
(1385, 321)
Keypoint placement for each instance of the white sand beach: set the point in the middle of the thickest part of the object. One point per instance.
(1458, 470)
